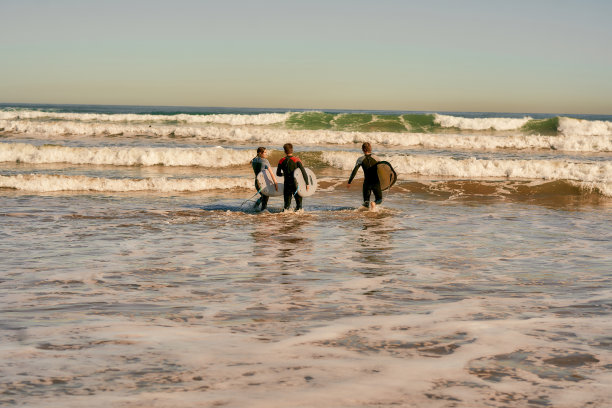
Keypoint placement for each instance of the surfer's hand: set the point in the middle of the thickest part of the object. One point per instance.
(276, 186)
(307, 187)
(348, 185)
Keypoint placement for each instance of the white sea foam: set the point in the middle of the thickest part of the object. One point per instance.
(50, 183)
(491, 142)
(480, 123)
(229, 119)
(603, 188)
(579, 127)
(241, 134)
(597, 175)
(378, 356)
(124, 156)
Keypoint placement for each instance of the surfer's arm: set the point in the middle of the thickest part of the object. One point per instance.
(354, 173)
(273, 178)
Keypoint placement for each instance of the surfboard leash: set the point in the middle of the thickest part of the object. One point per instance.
(246, 201)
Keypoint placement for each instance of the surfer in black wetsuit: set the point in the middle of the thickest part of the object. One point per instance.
(259, 164)
(371, 183)
(286, 166)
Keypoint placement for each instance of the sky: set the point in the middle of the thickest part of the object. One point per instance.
(549, 56)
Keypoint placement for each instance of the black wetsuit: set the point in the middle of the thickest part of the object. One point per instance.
(371, 182)
(286, 166)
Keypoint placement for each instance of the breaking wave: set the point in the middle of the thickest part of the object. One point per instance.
(12, 119)
(563, 142)
(592, 175)
(580, 127)
(124, 156)
(433, 123)
(228, 119)
(480, 123)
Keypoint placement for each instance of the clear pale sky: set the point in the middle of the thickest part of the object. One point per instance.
(551, 56)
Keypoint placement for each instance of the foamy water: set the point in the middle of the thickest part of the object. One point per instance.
(229, 119)
(600, 141)
(121, 156)
(136, 272)
(481, 123)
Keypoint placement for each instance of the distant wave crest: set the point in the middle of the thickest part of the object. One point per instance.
(480, 123)
(228, 119)
(575, 136)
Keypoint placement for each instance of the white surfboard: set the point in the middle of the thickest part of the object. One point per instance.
(266, 183)
(301, 184)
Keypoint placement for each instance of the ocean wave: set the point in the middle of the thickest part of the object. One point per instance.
(52, 183)
(228, 119)
(558, 125)
(492, 142)
(543, 191)
(459, 122)
(316, 120)
(598, 174)
(580, 127)
(124, 156)
(569, 142)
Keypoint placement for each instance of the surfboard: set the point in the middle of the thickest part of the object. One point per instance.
(301, 184)
(266, 183)
(386, 175)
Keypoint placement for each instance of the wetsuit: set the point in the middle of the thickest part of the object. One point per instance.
(371, 183)
(260, 164)
(286, 166)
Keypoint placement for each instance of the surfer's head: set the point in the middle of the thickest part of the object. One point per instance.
(366, 147)
(261, 151)
(288, 147)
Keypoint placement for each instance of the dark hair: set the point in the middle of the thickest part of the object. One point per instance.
(288, 147)
(366, 147)
(260, 150)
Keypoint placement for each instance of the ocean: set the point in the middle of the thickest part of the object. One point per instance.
(136, 272)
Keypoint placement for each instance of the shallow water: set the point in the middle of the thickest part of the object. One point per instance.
(191, 300)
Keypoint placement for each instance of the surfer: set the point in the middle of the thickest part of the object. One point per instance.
(286, 166)
(260, 163)
(371, 183)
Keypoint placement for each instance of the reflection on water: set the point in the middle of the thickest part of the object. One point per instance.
(373, 245)
(281, 240)
(291, 240)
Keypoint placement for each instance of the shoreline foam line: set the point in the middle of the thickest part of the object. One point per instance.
(124, 156)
